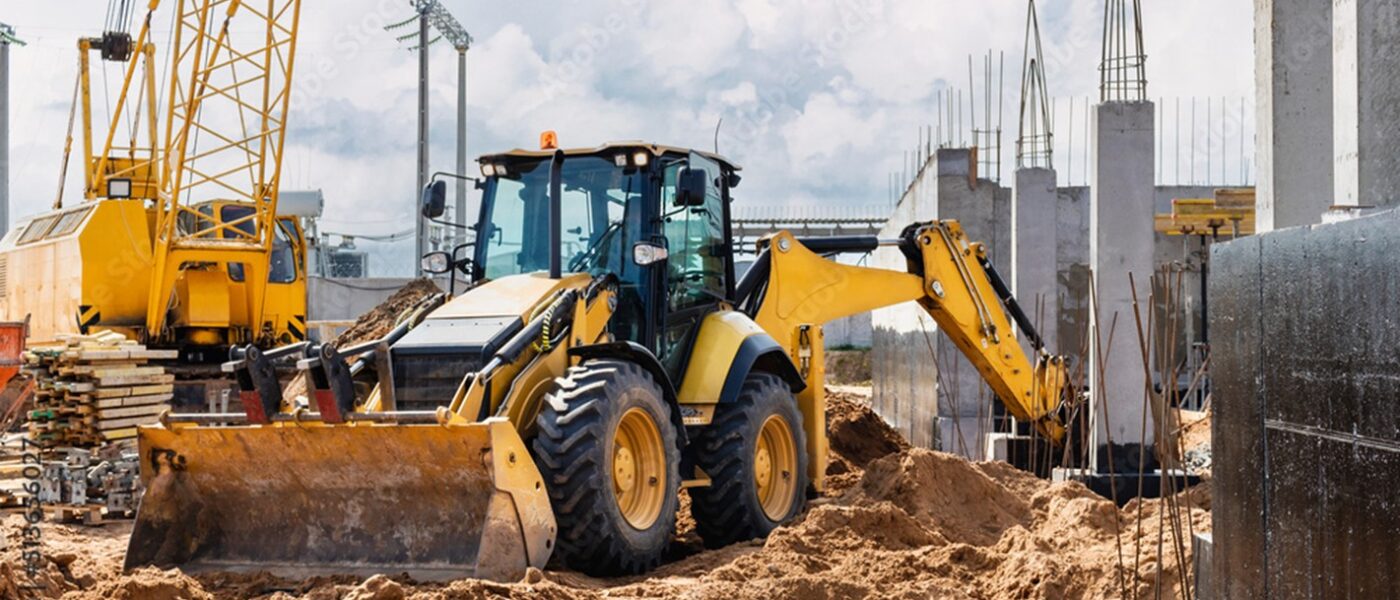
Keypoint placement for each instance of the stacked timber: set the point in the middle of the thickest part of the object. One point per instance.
(93, 389)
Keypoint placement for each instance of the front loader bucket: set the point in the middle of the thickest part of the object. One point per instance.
(433, 501)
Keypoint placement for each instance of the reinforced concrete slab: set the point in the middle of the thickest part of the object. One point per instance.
(1121, 243)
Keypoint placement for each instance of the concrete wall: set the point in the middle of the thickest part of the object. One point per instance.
(1293, 96)
(1072, 268)
(850, 332)
(1307, 435)
(924, 386)
(1121, 223)
(1035, 233)
(904, 371)
(346, 299)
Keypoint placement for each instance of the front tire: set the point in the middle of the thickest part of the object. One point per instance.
(755, 452)
(607, 450)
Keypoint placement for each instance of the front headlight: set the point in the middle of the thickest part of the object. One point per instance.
(648, 254)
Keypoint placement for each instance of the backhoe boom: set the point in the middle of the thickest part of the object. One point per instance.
(792, 288)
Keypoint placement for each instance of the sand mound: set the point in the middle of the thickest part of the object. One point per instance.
(857, 434)
(913, 524)
(947, 493)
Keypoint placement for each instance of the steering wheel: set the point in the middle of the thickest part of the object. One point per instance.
(603, 240)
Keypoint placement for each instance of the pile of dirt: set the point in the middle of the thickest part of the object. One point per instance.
(856, 436)
(375, 324)
(380, 321)
(912, 523)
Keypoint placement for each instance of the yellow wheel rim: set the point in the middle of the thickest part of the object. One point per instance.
(775, 468)
(639, 469)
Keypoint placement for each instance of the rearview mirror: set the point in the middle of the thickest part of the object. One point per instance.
(434, 202)
(691, 186)
(437, 263)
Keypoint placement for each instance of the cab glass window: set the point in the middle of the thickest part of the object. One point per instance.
(37, 229)
(69, 222)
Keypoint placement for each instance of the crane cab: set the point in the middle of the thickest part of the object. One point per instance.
(89, 267)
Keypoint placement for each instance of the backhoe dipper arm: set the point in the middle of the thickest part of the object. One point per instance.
(793, 287)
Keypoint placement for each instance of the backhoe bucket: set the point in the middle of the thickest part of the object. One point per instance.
(433, 501)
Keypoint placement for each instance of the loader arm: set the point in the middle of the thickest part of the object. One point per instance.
(794, 289)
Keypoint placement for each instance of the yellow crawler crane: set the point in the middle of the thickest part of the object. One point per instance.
(602, 357)
(177, 241)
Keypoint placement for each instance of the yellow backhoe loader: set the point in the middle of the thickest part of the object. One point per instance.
(602, 357)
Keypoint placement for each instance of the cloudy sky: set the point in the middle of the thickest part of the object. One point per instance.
(820, 98)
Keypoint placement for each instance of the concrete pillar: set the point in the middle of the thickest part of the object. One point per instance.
(1034, 245)
(1366, 102)
(1293, 91)
(1120, 243)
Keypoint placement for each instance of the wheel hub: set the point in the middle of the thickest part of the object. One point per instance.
(639, 469)
(774, 462)
(624, 469)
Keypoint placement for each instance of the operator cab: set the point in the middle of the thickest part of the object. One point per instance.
(656, 217)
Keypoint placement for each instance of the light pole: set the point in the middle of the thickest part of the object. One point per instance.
(7, 38)
(432, 14)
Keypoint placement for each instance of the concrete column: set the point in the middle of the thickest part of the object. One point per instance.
(1120, 242)
(1293, 90)
(1366, 102)
(1034, 243)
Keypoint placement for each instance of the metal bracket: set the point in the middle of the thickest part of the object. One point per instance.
(258, 387)
(328, 378)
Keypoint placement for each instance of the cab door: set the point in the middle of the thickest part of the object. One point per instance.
(699, 268)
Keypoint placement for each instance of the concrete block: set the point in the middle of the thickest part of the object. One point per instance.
(1293, 92)
(1121, 234)
(1366, 102)
(1307, 438)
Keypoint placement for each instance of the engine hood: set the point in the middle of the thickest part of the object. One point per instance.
(514, 296)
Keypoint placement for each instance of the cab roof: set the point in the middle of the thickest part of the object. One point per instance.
(608, 149)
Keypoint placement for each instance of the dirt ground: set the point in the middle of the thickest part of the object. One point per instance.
(897, 523)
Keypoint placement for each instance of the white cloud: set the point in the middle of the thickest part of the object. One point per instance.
(820, 98)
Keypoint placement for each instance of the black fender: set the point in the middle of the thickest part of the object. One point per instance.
(760, 353)
(641, 356)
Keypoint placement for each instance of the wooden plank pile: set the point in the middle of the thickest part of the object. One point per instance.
(94, 389)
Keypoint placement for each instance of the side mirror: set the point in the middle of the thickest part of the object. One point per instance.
(691, 185)
(434, 202)
(437, 263)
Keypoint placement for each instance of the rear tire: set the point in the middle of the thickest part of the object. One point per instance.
(755, 452)
(607, 450)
